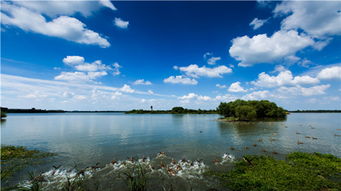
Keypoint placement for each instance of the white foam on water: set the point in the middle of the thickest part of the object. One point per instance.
(185, 169)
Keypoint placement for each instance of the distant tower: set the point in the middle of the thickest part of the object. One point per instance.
(151, 108)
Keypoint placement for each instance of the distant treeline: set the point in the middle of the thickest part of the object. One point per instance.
(174, 110)
(34, 110)
(316, 111)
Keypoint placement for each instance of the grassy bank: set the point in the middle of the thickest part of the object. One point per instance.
(300, 171)
(15, 158)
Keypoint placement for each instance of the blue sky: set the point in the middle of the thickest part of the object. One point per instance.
(102, 55)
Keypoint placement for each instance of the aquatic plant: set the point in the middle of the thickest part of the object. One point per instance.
(14, 158)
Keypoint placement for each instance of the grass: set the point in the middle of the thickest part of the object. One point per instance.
(14, 158)
(301, 171)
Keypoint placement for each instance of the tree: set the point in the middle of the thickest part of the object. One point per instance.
(251, 110)
(178, 110)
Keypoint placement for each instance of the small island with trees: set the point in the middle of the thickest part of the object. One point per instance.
(241, 110)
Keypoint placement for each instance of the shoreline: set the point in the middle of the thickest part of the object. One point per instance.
(166, 171)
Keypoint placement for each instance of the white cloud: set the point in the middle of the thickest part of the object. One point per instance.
(257, 95)
(116, 68)
(299, 90)
(207, 54)
(126, 88)
(235, 87)
(80, 76)
(180, 80)
(64, 27)
(80, 97)
(121, 23)
(86, 71)
(107, 3)
(194, 96)
(257, 23)
(213, 60)
(284, 77)
(142, 82)
(318, 18)
(53, 8)
(195, 71)
(225, 98)
(220, 86)
(264, 49)
(333, 72)
(91, 67)
(73, 60)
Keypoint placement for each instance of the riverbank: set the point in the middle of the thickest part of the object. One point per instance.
(299, 171)
(16, 158)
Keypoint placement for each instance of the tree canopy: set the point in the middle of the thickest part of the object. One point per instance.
(251, 110)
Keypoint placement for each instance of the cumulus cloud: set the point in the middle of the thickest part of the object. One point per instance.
(86, 71)
(299, 90)
(317, 18)
(195, 71)
(194, 96)
(142, 82)
(257, 23)
(64, 27)
(257, 95)
(333, 72)
(284, 77)
(235, 87)
(121, 23)
(180, 80)
(263, 49)
(126, 88)
(73, 60)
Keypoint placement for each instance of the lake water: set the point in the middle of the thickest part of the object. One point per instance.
(87, 138)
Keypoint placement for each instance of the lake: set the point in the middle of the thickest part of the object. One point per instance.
(87, 138)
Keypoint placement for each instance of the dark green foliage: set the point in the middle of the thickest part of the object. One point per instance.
(174, 110)
(178, 110)
(241, 110)
(301, 171)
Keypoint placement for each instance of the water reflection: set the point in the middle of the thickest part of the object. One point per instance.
(101, 137)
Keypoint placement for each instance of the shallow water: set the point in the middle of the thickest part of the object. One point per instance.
(87, 138)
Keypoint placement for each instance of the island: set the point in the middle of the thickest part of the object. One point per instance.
(241, 110)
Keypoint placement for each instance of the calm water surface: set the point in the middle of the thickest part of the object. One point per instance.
(87, 138)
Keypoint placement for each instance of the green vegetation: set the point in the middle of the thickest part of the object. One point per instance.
(241, 110)
(174, 110)
(3, 112)
(15, 158)
(301, 171)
